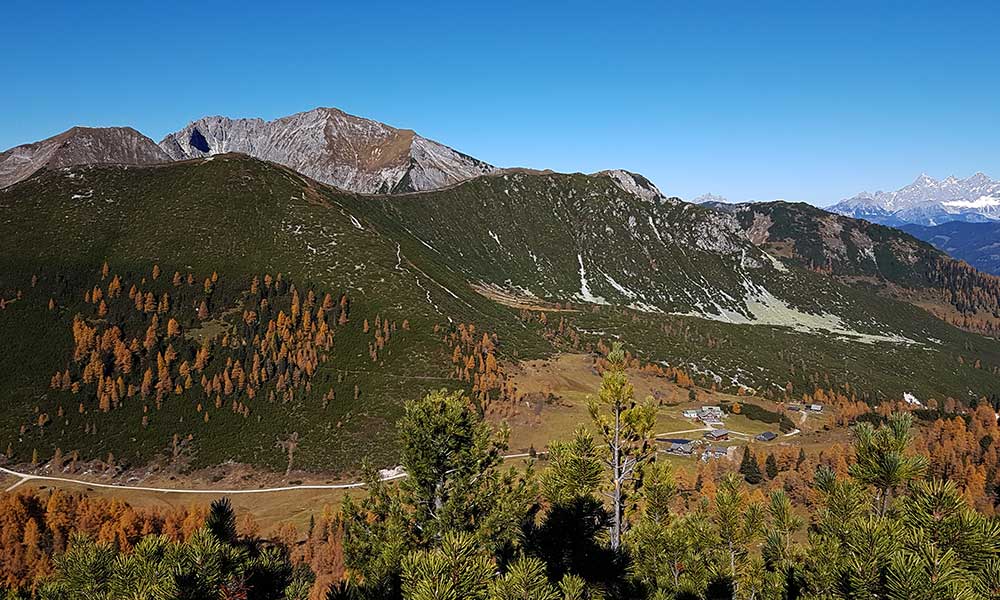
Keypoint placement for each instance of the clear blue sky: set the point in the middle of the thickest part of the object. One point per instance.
(805, 101)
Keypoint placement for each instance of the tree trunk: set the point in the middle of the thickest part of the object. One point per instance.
(616, 532)
(885, 502)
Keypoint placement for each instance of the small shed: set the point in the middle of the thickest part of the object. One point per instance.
(767, 436)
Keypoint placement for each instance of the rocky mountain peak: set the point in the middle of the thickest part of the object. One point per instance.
(329, 145)
(634, 184)
(79, 145)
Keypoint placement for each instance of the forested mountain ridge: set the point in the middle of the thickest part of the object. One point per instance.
(157, 309)
(975, 243)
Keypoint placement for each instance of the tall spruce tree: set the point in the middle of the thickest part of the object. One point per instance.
(771, 466)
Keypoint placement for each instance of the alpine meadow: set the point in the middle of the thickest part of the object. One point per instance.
(322, 357)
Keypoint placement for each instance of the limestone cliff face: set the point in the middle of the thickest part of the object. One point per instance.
(333, 147)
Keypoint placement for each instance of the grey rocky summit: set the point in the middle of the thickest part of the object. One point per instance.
(331, 146)
(79, 146)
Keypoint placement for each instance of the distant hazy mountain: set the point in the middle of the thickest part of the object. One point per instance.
(334, 147)
(80, 145)
(976, 243)
(710, 199)
(928, 201)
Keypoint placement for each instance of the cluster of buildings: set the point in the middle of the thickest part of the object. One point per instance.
(709, 447)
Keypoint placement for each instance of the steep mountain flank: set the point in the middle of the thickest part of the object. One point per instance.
(77, 146)
(893, 261)
(333, 147)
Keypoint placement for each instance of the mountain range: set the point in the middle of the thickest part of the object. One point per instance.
(928, 201)
(211, 285)
(326, 144)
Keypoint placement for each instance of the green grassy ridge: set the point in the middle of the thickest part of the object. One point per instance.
(554, 215)
(527, 233)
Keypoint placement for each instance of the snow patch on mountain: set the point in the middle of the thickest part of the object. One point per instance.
(981, 202)
(764, 308)
(585, 294)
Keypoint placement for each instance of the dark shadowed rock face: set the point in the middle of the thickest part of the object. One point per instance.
(80, 145)
(331, 146)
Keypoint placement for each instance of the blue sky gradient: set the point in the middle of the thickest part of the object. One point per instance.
(810, 101)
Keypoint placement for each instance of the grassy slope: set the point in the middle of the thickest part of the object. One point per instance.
(529, 232)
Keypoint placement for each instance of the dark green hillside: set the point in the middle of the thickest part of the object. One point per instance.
(578, 237)
(838, 244)
(282, 306)
(239, 218)
(523, 233)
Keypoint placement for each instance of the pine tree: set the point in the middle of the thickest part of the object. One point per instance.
(750, 468)
(626, 429)
(221, 522)
(771, 466)
(882, 457)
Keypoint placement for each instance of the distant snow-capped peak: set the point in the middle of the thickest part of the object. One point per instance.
(928, 201)
(710, 199)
